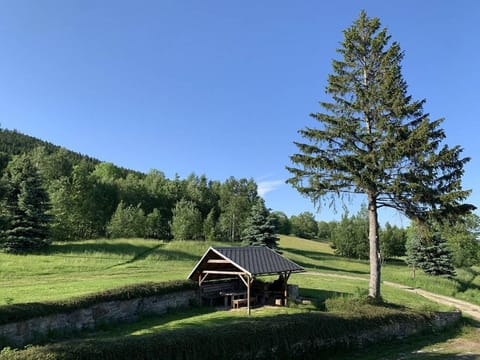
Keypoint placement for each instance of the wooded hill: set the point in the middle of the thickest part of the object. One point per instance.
(90, 199)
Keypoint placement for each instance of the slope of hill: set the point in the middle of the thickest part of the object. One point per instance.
(86, 193)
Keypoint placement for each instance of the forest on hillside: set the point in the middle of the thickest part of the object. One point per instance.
(88, 198)
(84, 198)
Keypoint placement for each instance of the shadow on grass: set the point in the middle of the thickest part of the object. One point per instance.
(468, 285)
(114, 330)
(111, 250)
(319, 257)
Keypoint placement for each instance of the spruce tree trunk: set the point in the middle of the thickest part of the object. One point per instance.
(375, 264)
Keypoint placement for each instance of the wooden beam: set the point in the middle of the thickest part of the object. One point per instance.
(201, 279)
(222, 272)
(218, 261)
(244, 281)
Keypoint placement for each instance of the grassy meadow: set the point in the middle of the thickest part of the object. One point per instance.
(318, 256)
(77, 268)
(72, 269)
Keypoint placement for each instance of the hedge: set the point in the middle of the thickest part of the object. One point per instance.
(18, 312)
(299, 336)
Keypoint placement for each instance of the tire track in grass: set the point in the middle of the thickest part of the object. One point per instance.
(137, 257)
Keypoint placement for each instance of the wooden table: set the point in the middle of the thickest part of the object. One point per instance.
(233, 295)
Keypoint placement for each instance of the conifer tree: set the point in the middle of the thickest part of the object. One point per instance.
(259, 226)
(436, 258)
(413, 252)
(428, 250)
(24, 208)
(373, 139)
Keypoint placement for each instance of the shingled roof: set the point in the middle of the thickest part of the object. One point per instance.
(251, 260)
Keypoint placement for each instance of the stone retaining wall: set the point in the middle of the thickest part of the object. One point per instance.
(24, 332)
(398, 330)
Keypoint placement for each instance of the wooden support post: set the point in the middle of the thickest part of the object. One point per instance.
(285, 284)
(248, 295)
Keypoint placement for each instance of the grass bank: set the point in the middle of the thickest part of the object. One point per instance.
(298, 334)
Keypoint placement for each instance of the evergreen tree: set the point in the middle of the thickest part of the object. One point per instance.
(436, 258)
(374, 140)
(325, 230)
(24, 208)
(259, 228)
(428, 250)
(413, 252)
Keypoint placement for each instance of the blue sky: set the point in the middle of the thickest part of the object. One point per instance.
(219, 87)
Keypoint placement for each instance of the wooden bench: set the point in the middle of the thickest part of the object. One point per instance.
(236, 303)
(211, 291)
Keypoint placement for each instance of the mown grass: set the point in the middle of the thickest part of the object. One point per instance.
(73, 269)
(318, 256)
(77, 268)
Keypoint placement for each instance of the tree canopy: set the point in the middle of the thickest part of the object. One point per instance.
(85, 196)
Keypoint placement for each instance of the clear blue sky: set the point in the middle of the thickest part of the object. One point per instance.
(219, 87)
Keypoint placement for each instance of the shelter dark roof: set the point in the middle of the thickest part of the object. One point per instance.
(254, 260)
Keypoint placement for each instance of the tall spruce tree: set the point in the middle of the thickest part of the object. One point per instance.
(259, 226)
(24, 208)
(373, 139)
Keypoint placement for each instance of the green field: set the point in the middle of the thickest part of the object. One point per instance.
(319, 256)
(67, 270)
(77, 268)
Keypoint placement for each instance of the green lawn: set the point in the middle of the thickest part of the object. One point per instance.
(71, 269)
(318, 256)
(77, 268)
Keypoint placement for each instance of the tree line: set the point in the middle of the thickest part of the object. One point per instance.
(453, 244)
(71, 196)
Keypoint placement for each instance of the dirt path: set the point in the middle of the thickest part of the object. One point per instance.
(465, 307)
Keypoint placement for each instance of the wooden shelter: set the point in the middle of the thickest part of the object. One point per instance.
(219, 267)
